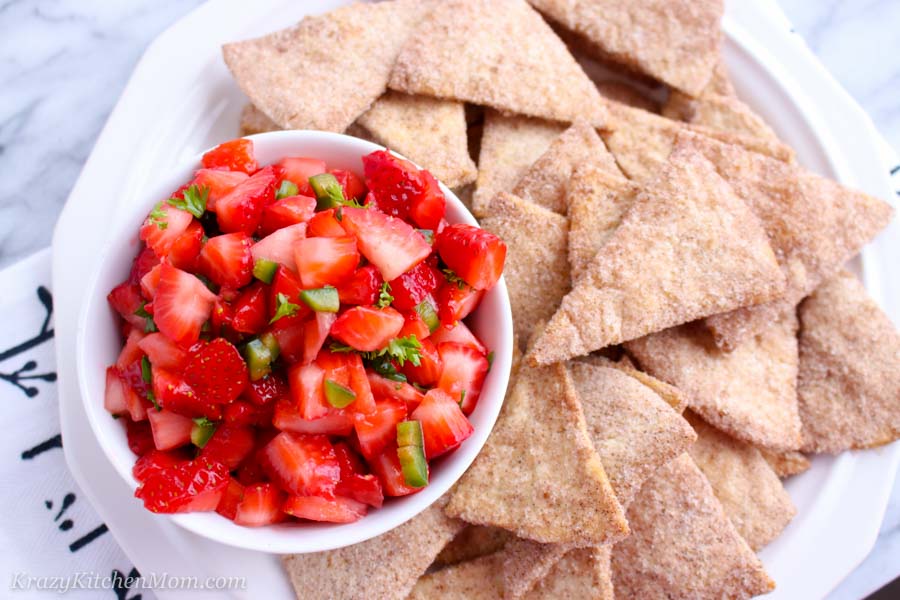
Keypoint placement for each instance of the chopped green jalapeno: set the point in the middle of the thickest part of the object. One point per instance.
(201, 431)
(264, 270)
(287, 189)
(323, 299)
(413, 465)
(429, 314)
(337, 395)
(259, 359)
(409, 433)
(329, 193)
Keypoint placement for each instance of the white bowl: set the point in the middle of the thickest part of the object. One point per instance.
(98, 343)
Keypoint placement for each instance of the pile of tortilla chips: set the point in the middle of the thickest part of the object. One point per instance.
(689, 334)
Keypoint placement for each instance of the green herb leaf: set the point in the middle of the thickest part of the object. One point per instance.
(146, 370)
(158, 216)
(384, 296)
(329, 193)
(405, 349)
(462, 397)
(194, 200)
(152, 398)
(453, 277)
(286, 189)
(149, 324)
(384, 367)
(428, 234)
(283, 307)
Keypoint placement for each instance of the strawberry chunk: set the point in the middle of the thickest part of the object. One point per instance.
(216, 372)
(377, 430)
(181, 305)
(462, 373)
(365, 328)
(126, 299)
(260, 505)
(186, 248)
(325, 261)
(229, 445)
(398, 390)
(325, 224)
(290, 332)
(143, 262)
(150, 280)
(414, 325)
(233, 155)
(228, 260)
(241, 209)
(314, 334)
(430, 365)
(444, 426)
(265, 392)
(115, 397)
(355, 483)
(302, 464)
(389, 243)
(350, 182)
(456, 302)
(175, 395)
(414, 286)
(299, 169)
(362, 288)
(459, 334)
(330, 510)
(154, 461)
(386, 466)
(131, 351)
(279, 246)
(232, 496)
(163, 226)
(286, 212)
(346, 369)
(193, 486)
(287, 282)
(335, 422)
(305, 383)
(400, 189)
(170, 430)
(475, 255)
(219, 182)
(251, 310)
(140, 436)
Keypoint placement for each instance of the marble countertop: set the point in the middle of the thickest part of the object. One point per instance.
(88, 48)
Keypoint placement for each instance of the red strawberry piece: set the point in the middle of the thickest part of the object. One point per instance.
(244, 414)
(299, 169)
(353, 186)
(362, 288)
(286, 282)
(150, 281)
(233, 155)
(241, 209)
(227, 260)
(279, 246)
(430, 365)
(459, 334)
(290, 332)
(170, 430)
(347, 370)
(156, 460)
(331, 510)
(143, 262)
(414, 325)
(131, 351)
(306, 383)
(365, 328)
(286, 212)
(186, 247)
(474, 254)
(315, 332)
(428, 207)
(219, 182)
(265, 392)
(456, 303)
(140, 436)
(325, 260)
(138, 400)
(260, 505)
(302, 464)
(162, 352)
(221, 317)
(335, 422)
(414, 286)
(325, 224)
(377, 430)
(251, 310)
(462, 373)
(355, 483)
(216, 371)
(163, 226)
(394, 183)
(386, 388)
(197, 485)
(232, 496)
(386, 466)
(174, 394)
(181, 305)
(389, 243)
(444, 426)
(126, 299)
(229, 445)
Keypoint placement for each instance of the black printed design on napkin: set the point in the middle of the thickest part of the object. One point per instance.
(26, 372)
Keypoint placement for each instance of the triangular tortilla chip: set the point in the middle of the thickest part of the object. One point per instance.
(538, 474)
(384, 567)
(849, 382)
(472, 542)
(682, 545)
(750, 393)
(527, 562)
(478, 579)
(633, 430)
(814, 224)
(724, 113)
(328, 69)
(667, 392)
(509, 145)
(497, 53)
(597, 202)
(581, 573)
(785, 463)
(544, 183)
(428, 131)
(254, 121)
(675, 258)
(675, 42)
(745, 484)
(642, 141)
(537, 268)
(629, 95)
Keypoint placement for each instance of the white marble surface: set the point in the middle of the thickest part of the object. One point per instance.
(63, 64)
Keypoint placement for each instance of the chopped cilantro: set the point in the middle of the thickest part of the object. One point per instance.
(152, 398)
(382, 361)
(283, 307)
(146, 370)
(158, 216)
(490, 359)
(453, 277)
(194, 200)
(287, 189)
(428, 234)
(404, 349)
(462, 397)
(149, 324)
(384, 296)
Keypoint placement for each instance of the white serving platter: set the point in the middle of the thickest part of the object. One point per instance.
(181, 99)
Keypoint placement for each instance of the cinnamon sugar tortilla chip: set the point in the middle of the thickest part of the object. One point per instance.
(538, 474)
(676, 42)
(537, 268)
(669, 393)
(254, 121)
(472, 542)
(384, 567)
(478, 579)
(849, 382)
(428, 131)
(749, 490)
(633, 430)
(785, 463)
(674, 258)
(814, 225)
(628, 95)
(497, 53)
(544, 183)
(580, 573)
(720, 82)
(749, 393)
(509, 145)
(682, 544)
(724, 113)
(327, 69)
(527, 562)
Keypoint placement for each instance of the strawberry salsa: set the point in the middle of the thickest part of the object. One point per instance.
(294, 338)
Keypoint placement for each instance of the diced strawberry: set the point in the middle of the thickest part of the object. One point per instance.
(229, 445)
(355, 483)
(175, 395)
(216, 371)
(335, 422)
(234, 155)
(362, 288)
(126, 299)
(150, 281)
(241, 209)
(462, 373)
(186, 247)
(286, 212)
(266, 391)
(299, 169)
(325, 224)
(221, 317)
(140, 436)
(162, 352)
(365, 328)
(193, 486)
(227, 260)
(279, 246)
(456, 303)
(260, 505)
(131, 351)
(474, 254)
(414, 325)
(459, 334)
(325, 261)
(302, 464)
(377, 430)
(232, 496)
(305, 382)
(143, 262)
(170, 430)
(290, 332)
(428, 207)
(385, 388)
(353, 186)
(245, 414)
(386, 467)
(251, 311)
(156, 460)
(163, 226)
(315, 332)
(430, 365)
(115, 399)
(219, 182)
(414, 286)
(398, 186)
(389, 243)
(444, 426)
(347, 369)
(330, 510)
(181, 305)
